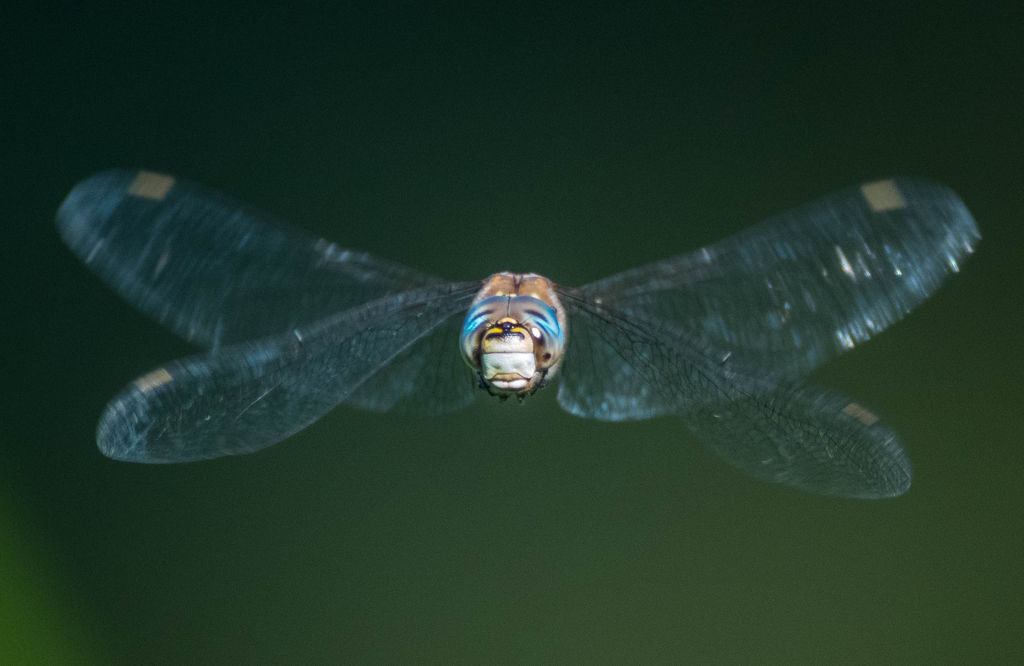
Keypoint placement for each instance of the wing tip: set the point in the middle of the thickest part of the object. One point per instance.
(89, 203)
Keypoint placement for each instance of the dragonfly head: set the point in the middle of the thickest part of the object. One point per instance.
(514, 334)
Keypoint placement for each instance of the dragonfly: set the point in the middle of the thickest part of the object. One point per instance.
(721, 338)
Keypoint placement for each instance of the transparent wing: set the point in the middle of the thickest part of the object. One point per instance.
(618, 368)
(804, 437)
(219, 273)
(248, 396)
(211, 269)
(428, 377)
(797, 289)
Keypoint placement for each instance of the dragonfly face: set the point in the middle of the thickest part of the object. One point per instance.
(515, 333)
(718, 339)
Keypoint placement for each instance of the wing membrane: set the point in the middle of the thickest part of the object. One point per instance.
(428, 377)
(213, 270)
(797, 289)
(248, 396)
(766, 426)
(807, 438)
(617, 368)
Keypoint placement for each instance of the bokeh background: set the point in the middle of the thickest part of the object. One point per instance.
(576, 142)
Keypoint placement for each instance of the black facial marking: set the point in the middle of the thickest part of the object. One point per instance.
(505, 333)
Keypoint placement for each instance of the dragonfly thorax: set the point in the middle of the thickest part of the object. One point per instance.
(514, 334)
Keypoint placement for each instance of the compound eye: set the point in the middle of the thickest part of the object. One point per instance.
(538, 335)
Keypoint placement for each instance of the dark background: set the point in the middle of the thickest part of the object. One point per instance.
(460, 141)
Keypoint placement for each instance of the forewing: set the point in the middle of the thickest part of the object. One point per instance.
(214, 270)
(249, 396)
(797, 289)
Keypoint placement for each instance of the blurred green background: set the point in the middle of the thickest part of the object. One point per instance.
(575, 142)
